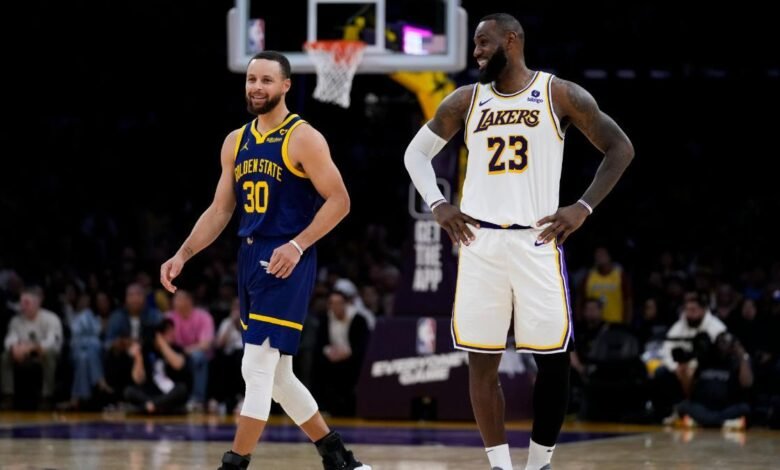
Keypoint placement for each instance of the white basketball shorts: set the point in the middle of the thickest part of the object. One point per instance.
(506, 272)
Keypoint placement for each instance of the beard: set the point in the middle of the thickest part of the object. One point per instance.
(269, 105)
(694, 323)
(494, 66)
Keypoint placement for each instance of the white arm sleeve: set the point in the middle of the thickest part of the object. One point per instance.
(421, 150)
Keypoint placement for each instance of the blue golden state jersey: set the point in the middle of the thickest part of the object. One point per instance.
(273, 197)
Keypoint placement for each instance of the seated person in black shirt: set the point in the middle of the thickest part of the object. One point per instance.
(719, 386)
(161, 380)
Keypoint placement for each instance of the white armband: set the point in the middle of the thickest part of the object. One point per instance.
(587, 206)
(297, 246)
(421, 150)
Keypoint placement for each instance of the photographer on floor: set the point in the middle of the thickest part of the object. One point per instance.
(719, 387)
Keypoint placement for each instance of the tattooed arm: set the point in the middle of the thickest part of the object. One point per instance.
(450, 116)
(213, 220)
(574, 105)
(449, 119)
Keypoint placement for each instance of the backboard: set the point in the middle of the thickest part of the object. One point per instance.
(417, 35)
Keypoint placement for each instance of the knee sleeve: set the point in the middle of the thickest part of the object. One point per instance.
(289, 392)
(553, 366)
(551, 396)
(258, 368)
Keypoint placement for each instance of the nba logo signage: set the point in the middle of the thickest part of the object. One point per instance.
(426, 336)
(255, 36)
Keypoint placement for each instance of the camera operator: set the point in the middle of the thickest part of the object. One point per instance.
(720, 383)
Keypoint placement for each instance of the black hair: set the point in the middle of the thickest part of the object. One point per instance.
(276, 57)
(506, 22)
(36, 291)
(163, 326)
(595, 300)
(700, 298)
(341, 293)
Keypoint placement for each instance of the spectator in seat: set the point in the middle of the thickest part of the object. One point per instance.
(227, 382)
(160, 377)
(194, 334)
(342, 341)
(135, 322)
(86, 354)
(672, 379)
(34, 339)
(608, 282)
(720, 385)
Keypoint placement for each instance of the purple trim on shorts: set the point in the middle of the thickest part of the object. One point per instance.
(565, 276)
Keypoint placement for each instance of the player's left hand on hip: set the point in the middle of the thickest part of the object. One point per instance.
(561, 224)
(283, 261)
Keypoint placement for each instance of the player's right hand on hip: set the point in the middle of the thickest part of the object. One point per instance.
(169, 270)
(454, 222)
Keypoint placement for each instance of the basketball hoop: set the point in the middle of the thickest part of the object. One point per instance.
(335, 62)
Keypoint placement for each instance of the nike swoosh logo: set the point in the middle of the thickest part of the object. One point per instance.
(483, 102)
(539, 243)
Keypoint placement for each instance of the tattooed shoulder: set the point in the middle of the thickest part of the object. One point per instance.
(452, 112)
(572, 98)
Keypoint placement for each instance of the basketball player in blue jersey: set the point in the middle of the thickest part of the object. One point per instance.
(510, 225)
(278, 170)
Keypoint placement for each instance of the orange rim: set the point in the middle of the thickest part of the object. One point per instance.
(341, 50)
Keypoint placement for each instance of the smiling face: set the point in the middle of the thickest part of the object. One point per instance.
(266, 85)
(489, 50)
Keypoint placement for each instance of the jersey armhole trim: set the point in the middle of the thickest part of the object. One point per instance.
(239, 138)
(286, 157)
(474, 98)
(556, 122)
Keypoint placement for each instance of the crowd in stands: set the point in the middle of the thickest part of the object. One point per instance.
(679, 343)
(113, 339)
(700, 351)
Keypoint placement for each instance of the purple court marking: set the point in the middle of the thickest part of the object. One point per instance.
(276, 433)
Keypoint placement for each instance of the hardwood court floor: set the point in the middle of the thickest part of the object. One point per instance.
(92, 442)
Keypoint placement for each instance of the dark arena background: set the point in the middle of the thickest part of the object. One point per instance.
(115, 114)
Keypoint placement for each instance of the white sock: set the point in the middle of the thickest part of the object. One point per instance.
(538, 456)
(499, 457)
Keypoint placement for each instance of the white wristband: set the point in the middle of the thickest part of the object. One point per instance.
(587, 206)
(297, 246)
(437, 204)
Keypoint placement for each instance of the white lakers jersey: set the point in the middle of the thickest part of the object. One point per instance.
(515, 145)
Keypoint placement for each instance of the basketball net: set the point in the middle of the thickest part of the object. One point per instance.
(335, 62)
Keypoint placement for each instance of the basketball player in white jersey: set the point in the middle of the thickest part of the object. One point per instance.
(510, 225)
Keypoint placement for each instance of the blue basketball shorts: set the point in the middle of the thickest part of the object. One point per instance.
(273, 308)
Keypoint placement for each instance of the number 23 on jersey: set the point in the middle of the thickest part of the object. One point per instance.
(517, 163)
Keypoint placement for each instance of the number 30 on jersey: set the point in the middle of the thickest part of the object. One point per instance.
(519, 161)
(256, 196)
